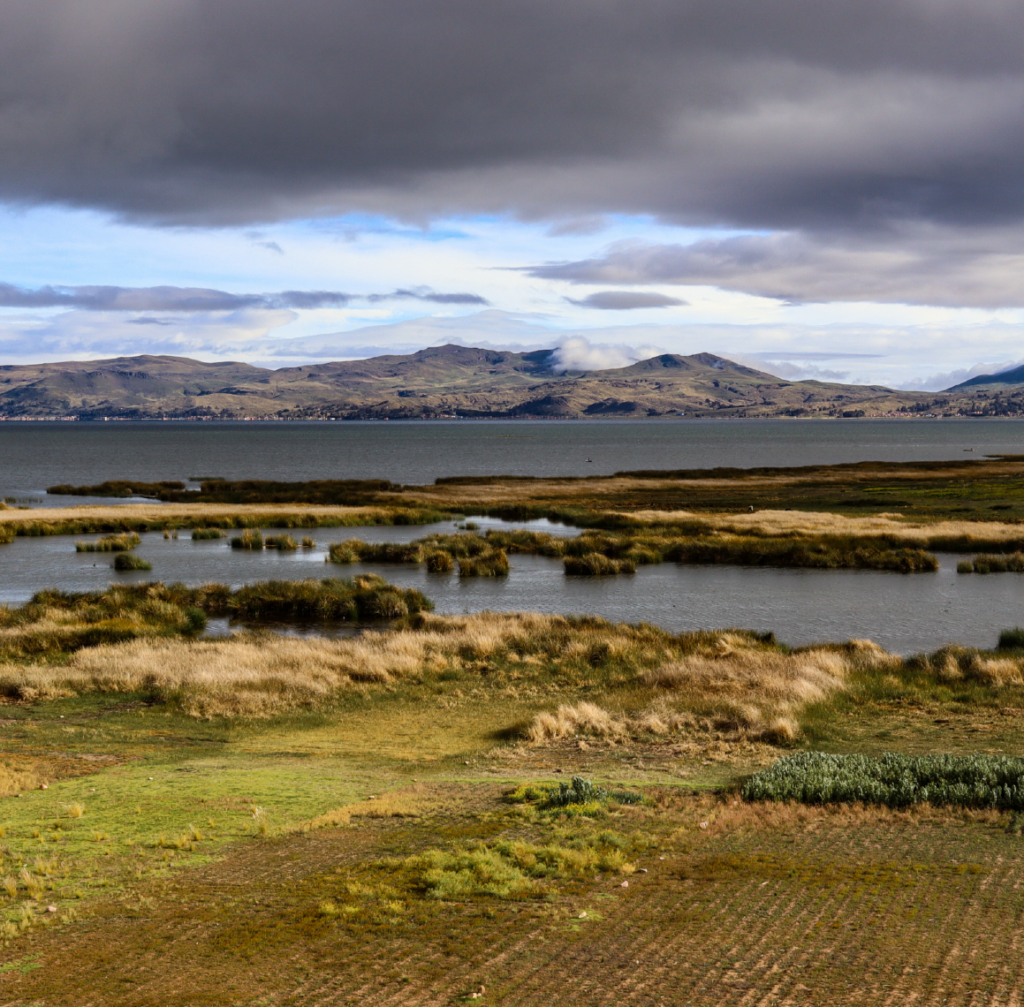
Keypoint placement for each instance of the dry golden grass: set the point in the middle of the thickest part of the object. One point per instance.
(732, 686)
(771, 523)
(260, 676)
(198, 514)
(413, 801)
(15, 779)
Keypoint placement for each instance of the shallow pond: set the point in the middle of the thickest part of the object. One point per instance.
(904, 613)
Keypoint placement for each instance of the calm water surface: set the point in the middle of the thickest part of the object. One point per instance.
(36, 455)
(904, 613)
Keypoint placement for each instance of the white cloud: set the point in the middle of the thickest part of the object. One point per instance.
(576, 353)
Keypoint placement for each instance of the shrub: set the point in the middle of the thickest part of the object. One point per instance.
(489, 564)
(110, 543)
(1012, 639)
(249, 539)
(126, 561)
(579, 794)
(971, 781)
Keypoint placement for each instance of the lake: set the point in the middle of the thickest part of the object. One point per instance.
(904, 613)
(36, 455)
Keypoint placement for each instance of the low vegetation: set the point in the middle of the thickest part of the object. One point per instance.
(200, 534)
(895, 780)
(110, 543)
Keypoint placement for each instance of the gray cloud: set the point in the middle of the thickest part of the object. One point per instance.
(626, 300)
(193, 299)
(794, 115)
(912, 264)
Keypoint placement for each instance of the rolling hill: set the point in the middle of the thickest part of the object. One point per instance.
(439, 382)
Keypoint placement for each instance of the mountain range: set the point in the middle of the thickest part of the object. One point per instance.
(449, 381)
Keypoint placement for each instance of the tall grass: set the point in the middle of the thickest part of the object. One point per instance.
(895, 780)
(110, 543)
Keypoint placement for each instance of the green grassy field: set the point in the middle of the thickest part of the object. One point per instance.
(357, 844)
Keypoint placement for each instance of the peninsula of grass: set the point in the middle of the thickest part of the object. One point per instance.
(54, 624)
(110, 543)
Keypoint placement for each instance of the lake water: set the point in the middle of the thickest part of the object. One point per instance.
(36, 455)
(903, 613)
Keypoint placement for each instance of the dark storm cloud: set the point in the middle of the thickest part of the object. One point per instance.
(194, 299)
(625, 300)
(785, 114)
(909, 265)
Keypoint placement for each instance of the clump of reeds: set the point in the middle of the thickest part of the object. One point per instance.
(308, 543)
(7, 534)
(439, 561)
(126, 561)
(594, 564)
(489, 564)
(198, 534)
(1012, 562)
(285, 543)
(110, 543)
(250, 539)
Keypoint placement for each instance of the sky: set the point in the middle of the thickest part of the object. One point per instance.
(830, 191)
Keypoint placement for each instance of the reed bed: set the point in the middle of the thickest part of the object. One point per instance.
(604, 553)
(201, 534)
(110, 543)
